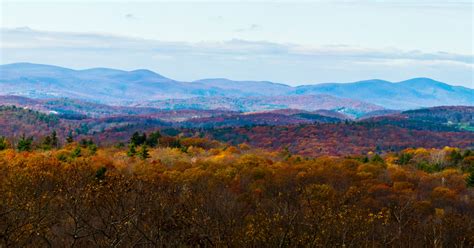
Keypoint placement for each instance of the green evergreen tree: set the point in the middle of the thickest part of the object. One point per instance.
(153, 139)
(466, 153)
(143, 154)
(138, 139)
(25, 144)
(69, 138)
(92, 148)
(54, 139)
(377, 158)
(365, 159)
(76, 152)
(100, 173)
(470, 180)
(286, 153)
(3, 143)
(135, 138)
(404, 158)
(46, 144)
(131, 150)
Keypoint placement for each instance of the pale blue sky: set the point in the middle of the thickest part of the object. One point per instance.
(292, 42)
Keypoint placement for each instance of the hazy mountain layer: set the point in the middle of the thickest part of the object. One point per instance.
(131, 87)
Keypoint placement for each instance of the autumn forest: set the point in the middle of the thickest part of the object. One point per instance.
(159, 190)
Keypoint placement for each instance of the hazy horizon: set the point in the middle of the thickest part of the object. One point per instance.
(231, 79)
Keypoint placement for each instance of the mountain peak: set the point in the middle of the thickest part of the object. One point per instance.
(424, 82)
(420, 79)
(30, 66)
(144, 72)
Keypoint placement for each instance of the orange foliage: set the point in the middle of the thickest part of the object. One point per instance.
(231, 196)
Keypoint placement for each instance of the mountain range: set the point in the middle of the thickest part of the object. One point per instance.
(147, 88)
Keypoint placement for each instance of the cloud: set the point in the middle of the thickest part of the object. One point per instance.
(130, 16)
(250, 28)
(32, 39)
(239, 59)
(410, 62)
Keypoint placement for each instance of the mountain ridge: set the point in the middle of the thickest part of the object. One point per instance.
(123, 87)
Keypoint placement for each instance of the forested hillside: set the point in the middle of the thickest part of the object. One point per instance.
(171, 191)
(323, 181)
(447, 118)
(341, 138)
(304, 133)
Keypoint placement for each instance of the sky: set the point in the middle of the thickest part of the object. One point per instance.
(292, 42)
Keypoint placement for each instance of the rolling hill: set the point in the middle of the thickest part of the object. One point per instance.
(441, 118)
(97, 85)
(413, 93)
(310, 133)
(118, 87)
(353, 108)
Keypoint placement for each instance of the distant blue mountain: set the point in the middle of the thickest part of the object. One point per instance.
(413, 93)
(98, 84)
(250, 88)
(106, 85)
